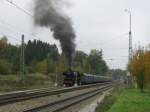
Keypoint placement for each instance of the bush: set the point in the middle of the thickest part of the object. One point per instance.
(41, 67)
(5, 67)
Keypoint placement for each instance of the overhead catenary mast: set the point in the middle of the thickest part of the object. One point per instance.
(130, 46)
(22, 59)
(130, 36)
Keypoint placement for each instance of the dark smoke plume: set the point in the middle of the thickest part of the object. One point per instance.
(47, 13)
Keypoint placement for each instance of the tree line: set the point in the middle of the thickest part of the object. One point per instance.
(42, 57)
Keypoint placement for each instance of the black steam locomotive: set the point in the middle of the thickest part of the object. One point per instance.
(72, 78)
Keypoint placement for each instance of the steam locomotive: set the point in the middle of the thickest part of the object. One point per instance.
(72, 78)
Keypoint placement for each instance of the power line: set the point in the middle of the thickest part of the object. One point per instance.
(103, 44)
(12, 37)
(6, 23)
(11, 27)
(24, 11)
(115, 38)
(20, 8)
(29, 14)
(10, 31)
(8, 36)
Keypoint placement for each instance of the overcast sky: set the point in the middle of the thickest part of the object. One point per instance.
(99, 24)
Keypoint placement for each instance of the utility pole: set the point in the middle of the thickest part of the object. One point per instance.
(22, 58)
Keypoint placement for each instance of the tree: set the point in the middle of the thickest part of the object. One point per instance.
(3, 47)
(79, 57)
(79, 61)
(3, 42)
(5, 67)
(10, 53)
(86, 66)
(140, 67)
(45, 66)
(118, 74)
(62, 66)
(38, 50)
(50, 65)
(98, 65)
(41, 67)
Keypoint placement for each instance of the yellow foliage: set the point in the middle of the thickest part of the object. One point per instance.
(62, 65)
(3, 42)
(140, 66)
(41, 66)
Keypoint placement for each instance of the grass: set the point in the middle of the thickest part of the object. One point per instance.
(109, 100)
(132, 100)
(31, 81)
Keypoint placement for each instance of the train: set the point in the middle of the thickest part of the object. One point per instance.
(75, 78)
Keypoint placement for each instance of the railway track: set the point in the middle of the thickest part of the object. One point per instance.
(31, 94)
(67, 102)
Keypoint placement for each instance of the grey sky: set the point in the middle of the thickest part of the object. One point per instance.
(99, 24)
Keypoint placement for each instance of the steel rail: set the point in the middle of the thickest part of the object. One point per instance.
(65, 103)
(16, 97)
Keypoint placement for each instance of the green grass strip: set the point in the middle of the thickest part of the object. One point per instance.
(132, 100)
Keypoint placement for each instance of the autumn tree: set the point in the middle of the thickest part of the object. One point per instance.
(9, 54)
(3, 42)
(140, 67)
